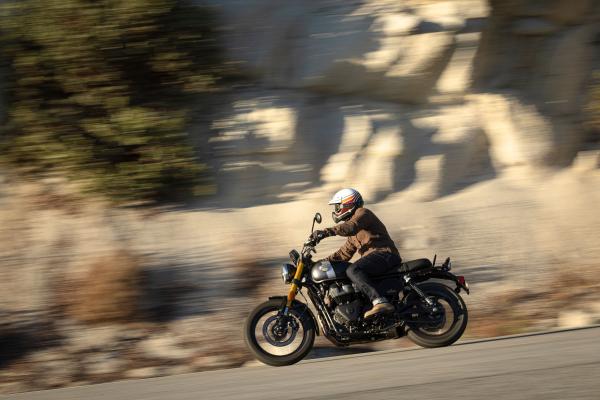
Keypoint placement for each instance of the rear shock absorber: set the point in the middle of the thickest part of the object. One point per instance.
(430, 302)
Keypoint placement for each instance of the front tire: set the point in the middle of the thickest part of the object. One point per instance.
(455, 316)
(294, 341)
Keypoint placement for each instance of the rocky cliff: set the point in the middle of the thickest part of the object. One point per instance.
(461, 122)
(357, 93)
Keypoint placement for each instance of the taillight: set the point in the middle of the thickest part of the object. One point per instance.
(461, 283)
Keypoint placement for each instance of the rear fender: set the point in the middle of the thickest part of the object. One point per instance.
(438, 274)
(300, 307)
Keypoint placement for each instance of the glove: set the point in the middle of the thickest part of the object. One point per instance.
(318, 235)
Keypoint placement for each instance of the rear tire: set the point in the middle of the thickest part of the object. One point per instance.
(302, 317)
(424, 338)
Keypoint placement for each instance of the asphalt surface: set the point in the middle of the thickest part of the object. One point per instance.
(558, 365)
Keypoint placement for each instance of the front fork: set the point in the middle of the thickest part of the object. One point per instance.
(294, 287)
(283, 319)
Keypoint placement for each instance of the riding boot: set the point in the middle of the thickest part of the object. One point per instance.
(380, 308)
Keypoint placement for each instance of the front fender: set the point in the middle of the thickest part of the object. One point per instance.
(301, 307)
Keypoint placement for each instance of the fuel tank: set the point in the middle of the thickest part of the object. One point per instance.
(324, 270)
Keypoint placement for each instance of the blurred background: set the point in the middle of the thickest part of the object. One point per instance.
(159, 158)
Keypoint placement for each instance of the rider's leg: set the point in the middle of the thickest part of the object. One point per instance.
(372, 264)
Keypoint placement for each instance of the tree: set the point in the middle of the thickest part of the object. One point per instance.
(594, 103)
(98, 92)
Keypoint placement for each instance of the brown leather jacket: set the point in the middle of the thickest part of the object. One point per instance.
(366, 234)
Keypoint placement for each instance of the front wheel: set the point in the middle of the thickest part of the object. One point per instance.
(279, 340)
(447, 327)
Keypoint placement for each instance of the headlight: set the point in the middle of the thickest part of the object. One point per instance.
(287, 273)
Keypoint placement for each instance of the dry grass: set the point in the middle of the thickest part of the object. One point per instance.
(110, 291)
(251, 276)
(519, 311)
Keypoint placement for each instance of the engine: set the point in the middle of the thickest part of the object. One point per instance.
(342, 292)
(346, 303)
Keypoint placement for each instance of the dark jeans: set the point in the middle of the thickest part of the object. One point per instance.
(373, 264)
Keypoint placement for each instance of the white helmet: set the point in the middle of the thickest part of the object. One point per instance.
(346, 201)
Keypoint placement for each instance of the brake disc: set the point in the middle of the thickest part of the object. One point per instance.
(277, 339)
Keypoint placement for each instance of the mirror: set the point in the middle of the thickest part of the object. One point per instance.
(318, 218)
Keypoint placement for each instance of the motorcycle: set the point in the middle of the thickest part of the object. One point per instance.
(281, 331)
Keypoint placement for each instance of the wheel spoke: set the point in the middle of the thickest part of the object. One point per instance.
(278, 337)
(275, 339)
(446, 321)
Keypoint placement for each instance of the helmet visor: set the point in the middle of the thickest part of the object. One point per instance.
(340, 209)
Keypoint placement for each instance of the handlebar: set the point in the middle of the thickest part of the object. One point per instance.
(310, 246)
(310, 243)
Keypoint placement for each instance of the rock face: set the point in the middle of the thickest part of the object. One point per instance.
(342, 88)
(406, 101)
(338, 87)
(537, 60)
(165, 347)
(339, 48)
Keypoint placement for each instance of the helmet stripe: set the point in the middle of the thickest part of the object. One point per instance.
(350, 199)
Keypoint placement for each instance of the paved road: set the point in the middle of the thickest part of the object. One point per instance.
(560, 365)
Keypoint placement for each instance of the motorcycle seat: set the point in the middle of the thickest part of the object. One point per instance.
(420, 264)
(414, 266)
(404, 268)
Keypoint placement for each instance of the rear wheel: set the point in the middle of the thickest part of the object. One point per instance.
(278, 340)
(447, 325)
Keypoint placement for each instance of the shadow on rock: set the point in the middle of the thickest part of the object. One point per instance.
(19, 338)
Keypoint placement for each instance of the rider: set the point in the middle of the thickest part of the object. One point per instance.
(367, 235)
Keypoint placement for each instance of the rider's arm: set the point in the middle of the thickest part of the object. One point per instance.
(352, 226)
(345, 252)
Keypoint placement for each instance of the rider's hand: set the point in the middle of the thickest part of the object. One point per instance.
(319, 235)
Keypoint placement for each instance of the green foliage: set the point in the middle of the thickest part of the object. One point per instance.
(98, 92)
(594, 103)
